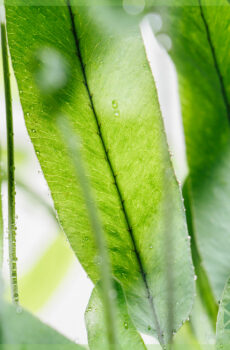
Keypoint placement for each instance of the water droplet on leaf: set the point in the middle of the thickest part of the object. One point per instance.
(114, 104)
(117, 114)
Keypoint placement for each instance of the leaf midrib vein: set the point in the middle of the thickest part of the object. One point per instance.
(142, 271)
(216, 64)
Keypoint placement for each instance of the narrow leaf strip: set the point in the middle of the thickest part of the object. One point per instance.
(73, 146)
(223, 320)
(203, 283)
(10, 169)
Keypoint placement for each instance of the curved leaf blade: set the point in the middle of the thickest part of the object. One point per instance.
(200, 51)
(111, 103)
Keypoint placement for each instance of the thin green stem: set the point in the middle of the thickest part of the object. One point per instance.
(73, 146)
(10, 169)
(33, 194)
(1, 215)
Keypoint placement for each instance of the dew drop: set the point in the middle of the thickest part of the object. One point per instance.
(28, 114)
(151, 247)
(37, 152)
(189, 238)
(195, 277)
(126, 325)
(114, 104)
(117, 114)
(33, 130)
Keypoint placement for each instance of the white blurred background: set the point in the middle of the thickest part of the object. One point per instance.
(52, 283)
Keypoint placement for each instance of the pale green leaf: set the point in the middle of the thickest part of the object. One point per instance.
(200, 49)
(21, 330)
(96, 325)
(223, 320)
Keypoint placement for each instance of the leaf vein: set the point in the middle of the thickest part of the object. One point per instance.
(216, 64)
(129, 228)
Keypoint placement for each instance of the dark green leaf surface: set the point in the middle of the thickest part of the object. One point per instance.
(24, 331)
(96, 325)
(223, 320)
(109, 96)
(200, 49)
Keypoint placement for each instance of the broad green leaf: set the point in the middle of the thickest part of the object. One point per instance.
(223, 320)
(109, 97)
(24, 331)
(96, 325)
(200, 49)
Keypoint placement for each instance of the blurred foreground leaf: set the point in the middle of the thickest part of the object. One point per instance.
(24, 331)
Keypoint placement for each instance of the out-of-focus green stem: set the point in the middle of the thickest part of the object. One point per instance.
(73, 146)
(1, 215)
(10, 168)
